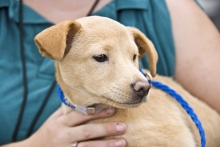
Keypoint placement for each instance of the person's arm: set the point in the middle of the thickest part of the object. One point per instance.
(64, 130)
(197, 45)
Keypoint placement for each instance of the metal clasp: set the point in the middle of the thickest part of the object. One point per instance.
(90, 110)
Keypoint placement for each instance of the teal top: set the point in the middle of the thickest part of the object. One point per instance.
(150, 16)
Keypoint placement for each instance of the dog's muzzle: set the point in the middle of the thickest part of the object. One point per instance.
(141, 89)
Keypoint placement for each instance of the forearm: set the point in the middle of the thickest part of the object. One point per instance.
(197, 44)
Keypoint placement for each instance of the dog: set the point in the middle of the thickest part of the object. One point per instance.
(97, 64)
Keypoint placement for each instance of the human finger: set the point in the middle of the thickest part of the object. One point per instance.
(103, 143)
(74, 118)
(91, 131)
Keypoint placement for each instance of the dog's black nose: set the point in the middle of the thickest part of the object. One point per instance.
(141, 88)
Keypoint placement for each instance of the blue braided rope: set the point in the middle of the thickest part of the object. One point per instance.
(185, 105)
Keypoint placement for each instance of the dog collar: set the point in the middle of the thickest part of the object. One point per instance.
(85, 110)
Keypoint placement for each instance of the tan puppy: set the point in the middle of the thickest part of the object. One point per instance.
(97, 64)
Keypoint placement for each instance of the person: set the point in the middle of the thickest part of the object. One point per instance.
(187, 43)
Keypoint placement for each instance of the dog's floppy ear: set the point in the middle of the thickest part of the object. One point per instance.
(55, 42)
(145, 46)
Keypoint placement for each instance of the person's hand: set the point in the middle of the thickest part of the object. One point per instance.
(64, 130)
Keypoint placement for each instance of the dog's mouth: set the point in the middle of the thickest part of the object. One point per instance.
(132, 102)
(125, 104)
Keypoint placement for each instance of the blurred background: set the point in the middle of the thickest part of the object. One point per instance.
(212, 9)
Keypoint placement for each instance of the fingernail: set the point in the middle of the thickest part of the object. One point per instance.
(119, 143)
(110, 110)
(120, 127)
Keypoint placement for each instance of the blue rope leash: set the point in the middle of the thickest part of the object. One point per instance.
(185, 105)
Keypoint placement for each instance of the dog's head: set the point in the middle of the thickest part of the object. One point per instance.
(97, 61)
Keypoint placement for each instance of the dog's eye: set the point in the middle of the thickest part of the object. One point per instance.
(101, 58)
(134, 57)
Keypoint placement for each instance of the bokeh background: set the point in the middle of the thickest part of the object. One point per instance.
(212, 9)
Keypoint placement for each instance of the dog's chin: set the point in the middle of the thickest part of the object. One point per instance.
(128, 104)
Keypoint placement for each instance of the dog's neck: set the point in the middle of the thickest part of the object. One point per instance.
(90, 110)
